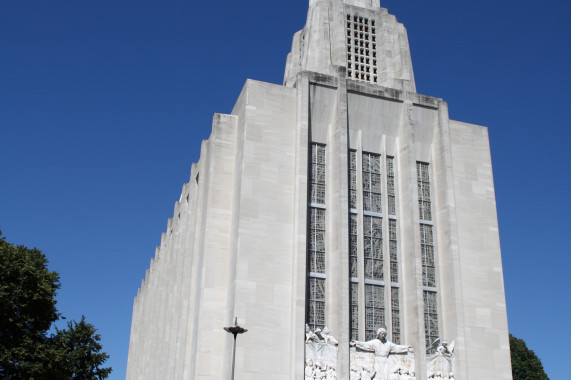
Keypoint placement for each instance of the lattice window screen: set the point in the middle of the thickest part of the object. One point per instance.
(316, 303)
(372, 182)
(354, 311)
(361, 48)
(353, 245)
(373, 247)
(393, 250)
(391, 192)
(374, 309)
(428, 255)
(430, 318)
(316, 235)
(318, 174)
(316, 252)
(353, 179)
(395, 314)
(424, 201)
(428, 259)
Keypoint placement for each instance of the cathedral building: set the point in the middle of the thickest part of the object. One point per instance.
(322, 210)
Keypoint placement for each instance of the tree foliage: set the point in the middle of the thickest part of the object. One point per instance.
(28, 310)
(525, 364)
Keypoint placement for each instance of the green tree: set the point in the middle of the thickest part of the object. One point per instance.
(525, 364)
(28, 310)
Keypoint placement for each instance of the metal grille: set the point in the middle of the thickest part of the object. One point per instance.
(361, 48)
(372, 182)
(316, 254)
(316, 303)
(391, 192)
(395, 314)
(424, 201)
(374, 310)
(353, 179)
(318, 174)
(428, 261)
(353, 245)
(354, 311)
(430, 319)
(373, 247)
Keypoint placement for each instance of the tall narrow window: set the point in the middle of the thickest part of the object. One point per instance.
(372, 182)
(395, 315)
(430, 294)
(354, 311)
(318, 174)
(373, 247)
(316, 235)
(353, 180)
(374, 309)
(353, 250)
(393, 248)
(391, 186)
(353, 246)
(423, 180)
(393, 251)
(316, 303)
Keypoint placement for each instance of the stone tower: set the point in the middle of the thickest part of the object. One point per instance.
(340, 201)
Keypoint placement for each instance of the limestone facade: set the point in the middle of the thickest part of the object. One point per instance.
(242, 240)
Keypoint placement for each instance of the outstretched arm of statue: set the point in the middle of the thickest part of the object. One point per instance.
(365, 346)
(398, 349)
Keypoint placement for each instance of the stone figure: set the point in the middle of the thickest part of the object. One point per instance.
(368, 373)
(412, 376)
(319, 371)
(382, 349)
(309, 369)
(443, 359)
(330, 373)
(310, 336)
(438, 376)
(451, 376)
(355, 373)
(328, 337)
(444, 350)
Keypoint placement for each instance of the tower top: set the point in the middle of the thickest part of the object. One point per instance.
(354, 39)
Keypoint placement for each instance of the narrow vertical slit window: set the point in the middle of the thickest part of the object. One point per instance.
(395, 315)
(429, 282)
(374, 309)
(391, 193)
(373, 247)
(354, 311)
(353, 246)
(372, 182)
(315, 317)
(393, 251)
(352, 179)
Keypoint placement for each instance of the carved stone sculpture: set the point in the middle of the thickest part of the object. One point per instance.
(321, 354)
(382, 349)
(442, 361)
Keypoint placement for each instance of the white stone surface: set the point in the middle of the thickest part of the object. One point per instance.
(236, 244)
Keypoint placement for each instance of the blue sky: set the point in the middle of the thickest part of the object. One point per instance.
(103, 105)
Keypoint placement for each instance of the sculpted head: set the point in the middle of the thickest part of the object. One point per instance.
(382, 333)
